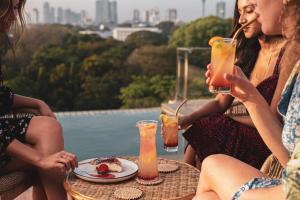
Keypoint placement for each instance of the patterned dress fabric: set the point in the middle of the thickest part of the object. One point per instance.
(219, 134)
(12, 126)
(289, 108)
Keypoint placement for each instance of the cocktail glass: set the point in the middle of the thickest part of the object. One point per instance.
(222, 60)
(148, 158)
(169, 132)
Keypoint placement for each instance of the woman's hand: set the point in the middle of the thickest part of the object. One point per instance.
(208, 73)
(44, 109)
(62, 161)
(241, 87)
(184, 122)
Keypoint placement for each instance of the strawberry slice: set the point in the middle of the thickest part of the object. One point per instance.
(102, 169)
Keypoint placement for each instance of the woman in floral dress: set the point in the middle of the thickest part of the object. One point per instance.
(223, 177)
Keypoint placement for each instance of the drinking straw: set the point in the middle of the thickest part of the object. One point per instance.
(180, 105)
(241, 28)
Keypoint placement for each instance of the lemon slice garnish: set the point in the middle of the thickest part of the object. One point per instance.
(215, 39)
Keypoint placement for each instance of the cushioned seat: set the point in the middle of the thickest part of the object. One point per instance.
(272, 167)
(13, 184)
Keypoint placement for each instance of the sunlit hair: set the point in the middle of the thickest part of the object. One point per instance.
(247, 48)
(6, 10)
(293, 6)
(292, 55)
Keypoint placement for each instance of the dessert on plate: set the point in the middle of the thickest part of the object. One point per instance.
(106, 165)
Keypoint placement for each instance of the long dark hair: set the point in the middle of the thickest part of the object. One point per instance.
(6, 8)
(247, 48)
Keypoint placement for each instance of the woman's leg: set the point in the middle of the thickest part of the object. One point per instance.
(189, 156)
(224, 175)
(45, 135)
(207, 196)
(18, 165)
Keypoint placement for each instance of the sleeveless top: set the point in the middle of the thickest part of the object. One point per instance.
(266, 88)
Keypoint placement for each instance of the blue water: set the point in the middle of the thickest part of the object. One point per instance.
(107, 134)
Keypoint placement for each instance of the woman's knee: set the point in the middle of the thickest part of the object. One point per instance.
(212, 163)
(44, 128)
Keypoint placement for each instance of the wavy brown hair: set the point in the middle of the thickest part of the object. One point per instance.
(292, 11)
(247, 48)
(6, 10)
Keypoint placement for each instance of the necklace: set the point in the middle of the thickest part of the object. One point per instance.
(267, 68)
(273, 50)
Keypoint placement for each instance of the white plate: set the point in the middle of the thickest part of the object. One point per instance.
(87, 171)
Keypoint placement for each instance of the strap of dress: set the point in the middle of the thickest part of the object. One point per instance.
(276, 70)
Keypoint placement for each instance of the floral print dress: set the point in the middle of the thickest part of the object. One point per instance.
(289, 108)
(12, 126)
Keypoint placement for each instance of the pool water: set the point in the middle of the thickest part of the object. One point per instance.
(108, 133)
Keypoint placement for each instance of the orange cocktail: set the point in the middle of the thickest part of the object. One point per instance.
(148, 158)
(169, 131)
(222, 60)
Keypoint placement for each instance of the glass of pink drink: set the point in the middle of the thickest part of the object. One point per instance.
(148, 157)
(222, 60)
(169, 132)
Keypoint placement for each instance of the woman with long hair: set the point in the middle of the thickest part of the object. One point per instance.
(27, 142)
(222, 175)
(234, 134)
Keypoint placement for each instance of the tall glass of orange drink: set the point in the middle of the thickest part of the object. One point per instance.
(148, 158)
(222, 60)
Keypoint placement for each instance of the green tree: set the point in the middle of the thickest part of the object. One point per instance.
(153, 60)
(198, 32)
(142, 38)
(147, 92)
(167, 27)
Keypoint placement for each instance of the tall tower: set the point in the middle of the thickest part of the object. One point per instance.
(136, 16)
(60, 15)
(221, 9)
(171, 15)
(37, 15)
(113, 13)
(102, 12)
(47, 13)
(203, 8)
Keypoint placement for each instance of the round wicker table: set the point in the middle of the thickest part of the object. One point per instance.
(178, 185)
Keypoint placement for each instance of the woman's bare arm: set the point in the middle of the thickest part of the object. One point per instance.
(266, 122)
(218, 105)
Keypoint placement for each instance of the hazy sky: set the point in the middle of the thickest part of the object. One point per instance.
(187, 9)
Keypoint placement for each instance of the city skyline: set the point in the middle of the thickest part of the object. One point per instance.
(187, 10)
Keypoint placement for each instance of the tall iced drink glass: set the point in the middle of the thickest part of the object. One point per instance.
(222, 60)
(169, 132)
(148, 158)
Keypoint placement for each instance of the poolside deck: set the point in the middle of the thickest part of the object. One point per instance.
(188, 107)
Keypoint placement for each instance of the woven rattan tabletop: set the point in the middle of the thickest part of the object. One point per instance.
(179, 185)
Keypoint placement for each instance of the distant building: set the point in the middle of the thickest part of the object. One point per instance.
(154, 17)
(46, 12)
(172, 15)
(113, 13)
(122, 33)
(106, 12)
(221, 9)
(136, 16)
(203, 8)
(37, 15)
(52, 15)
(60, 15)
(146, 17)
(102, 34)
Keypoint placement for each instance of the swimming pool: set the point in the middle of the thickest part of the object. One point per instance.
(107, 133)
